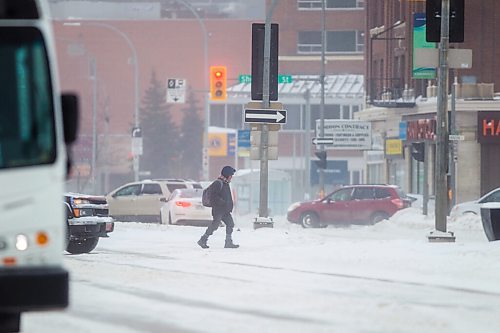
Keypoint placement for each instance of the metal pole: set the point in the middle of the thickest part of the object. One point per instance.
(453, 146)
(136, 76)
(93, 73)
(307, 140)
(264, 163)
(205, 163)
(441, 208)
(425, 202)
(322, 104)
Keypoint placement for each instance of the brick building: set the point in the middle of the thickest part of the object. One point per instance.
(173, 47)
(400, 96)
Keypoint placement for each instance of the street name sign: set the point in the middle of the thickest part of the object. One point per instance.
(322, 141)
(268, 116)
(456, 137)
(282, 78)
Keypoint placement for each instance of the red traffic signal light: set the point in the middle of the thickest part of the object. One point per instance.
(218, 83)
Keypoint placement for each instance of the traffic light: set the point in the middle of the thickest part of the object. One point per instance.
(418, 151)
(218, 83)
(433, 20)
(321, 163)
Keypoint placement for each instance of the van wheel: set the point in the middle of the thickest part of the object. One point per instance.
(10, 321)
(82, 245)
(309, 220)
(378, 216)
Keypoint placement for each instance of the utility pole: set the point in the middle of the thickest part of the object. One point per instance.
(307, 143)
(264, 162)
(322, 104)
(93, 77)
(441, 208)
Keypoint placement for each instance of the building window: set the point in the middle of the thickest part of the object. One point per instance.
(336, 42)
(309, 42)
(330, 4)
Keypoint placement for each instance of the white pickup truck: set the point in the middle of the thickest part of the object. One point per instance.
(87, 220)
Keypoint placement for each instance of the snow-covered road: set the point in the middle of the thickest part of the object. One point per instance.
(382, 278)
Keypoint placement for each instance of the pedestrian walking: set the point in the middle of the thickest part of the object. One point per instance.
(221, 201)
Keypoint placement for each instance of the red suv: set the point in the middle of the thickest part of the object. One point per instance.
(350, 204)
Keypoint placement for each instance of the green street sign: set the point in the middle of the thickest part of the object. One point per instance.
(246, 78)
(284, 78)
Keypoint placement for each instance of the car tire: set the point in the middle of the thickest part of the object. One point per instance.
(378, 216)
(82, 245)
(10, 321)
(310, 220)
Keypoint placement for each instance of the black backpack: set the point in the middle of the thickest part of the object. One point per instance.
(208, 193)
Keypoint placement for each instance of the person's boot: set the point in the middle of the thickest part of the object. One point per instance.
(203, 242)
(230, 245)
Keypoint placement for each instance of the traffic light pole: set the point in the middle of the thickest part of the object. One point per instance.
(441, 206)
(322, 104)
(264, 163)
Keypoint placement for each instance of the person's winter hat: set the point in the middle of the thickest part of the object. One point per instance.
(227, 171)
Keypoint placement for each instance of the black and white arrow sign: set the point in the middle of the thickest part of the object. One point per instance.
(265, 116)
(322, 141)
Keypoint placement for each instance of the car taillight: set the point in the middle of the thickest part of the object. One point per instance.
(398, 202)
(182, 204)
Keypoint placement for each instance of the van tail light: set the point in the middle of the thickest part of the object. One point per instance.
(182, 204)
(398, 203)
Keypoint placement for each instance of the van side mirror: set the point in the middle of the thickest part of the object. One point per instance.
(69, 104)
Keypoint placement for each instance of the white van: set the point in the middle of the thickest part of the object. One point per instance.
(33, 164)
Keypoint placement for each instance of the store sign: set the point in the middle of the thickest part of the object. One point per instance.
(346, 134)
(336, 173)
(488, 127)
(421, 129)
(393, 148)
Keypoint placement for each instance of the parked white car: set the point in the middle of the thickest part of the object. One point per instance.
(141, 201)
(474, 207)
(184, 206)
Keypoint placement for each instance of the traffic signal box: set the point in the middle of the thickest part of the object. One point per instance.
(218, 83)
(418, 151)
(433, 20)
(321, 162)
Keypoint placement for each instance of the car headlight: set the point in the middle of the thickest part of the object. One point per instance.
(80, 201)
(293, 206)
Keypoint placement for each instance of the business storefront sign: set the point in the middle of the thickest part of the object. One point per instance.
(488, 127)
(421, 130)
(221, 144)
(419, 41)
(347, 134)
(394, 148)
(336, 173)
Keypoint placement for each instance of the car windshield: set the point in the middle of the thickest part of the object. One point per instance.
(493, 197)
(27, 130)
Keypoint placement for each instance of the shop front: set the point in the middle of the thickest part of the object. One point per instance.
(488, 136)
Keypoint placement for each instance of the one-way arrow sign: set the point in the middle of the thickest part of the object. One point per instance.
(322, 141)
(269, 116)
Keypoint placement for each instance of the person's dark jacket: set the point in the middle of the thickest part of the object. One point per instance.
(222, 198)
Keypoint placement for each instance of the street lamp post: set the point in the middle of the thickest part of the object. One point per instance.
(136, 75)
(205, 167)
